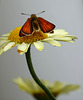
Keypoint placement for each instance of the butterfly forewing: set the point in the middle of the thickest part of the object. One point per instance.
(45, 25)
(26, 29)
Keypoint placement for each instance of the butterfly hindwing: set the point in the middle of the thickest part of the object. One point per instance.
(26, 28)
(45, 25)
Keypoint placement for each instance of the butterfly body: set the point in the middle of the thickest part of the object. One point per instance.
(34, 24)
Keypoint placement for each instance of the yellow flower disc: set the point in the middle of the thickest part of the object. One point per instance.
(36, 36)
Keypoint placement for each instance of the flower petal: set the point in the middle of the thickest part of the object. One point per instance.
(54, 42)
(9, 46)
(23, 47)
(39, 45)
(7, 34)
(1, 51)
(2, 42)
(47, 39)
(71, 36)
(22, 85)
(63, 39)
(69, 87)
(57, 86)
(3, 38)
(20, 52)
(60, 32)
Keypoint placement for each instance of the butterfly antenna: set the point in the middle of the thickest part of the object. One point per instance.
(30, 14)
(40, 12)
(26, 14)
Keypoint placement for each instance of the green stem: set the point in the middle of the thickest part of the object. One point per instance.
(31, 69)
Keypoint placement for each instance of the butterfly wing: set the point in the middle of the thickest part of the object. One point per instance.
(26, 28)
(45, 25)
(21, 34)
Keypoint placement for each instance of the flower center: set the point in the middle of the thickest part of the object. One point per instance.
(36, 36)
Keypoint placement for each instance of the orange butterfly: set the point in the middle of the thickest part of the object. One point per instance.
(35, 23)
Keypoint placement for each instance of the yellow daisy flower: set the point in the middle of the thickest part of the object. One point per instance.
(10, 40)
(56, 88)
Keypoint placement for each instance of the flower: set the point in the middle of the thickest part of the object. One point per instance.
(10, 40)
(56, 88)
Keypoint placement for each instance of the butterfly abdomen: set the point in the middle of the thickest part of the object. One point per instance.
(35, 25)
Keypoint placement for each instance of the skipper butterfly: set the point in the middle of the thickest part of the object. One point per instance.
(34, 24)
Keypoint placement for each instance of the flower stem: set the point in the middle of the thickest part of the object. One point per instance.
(31, 69)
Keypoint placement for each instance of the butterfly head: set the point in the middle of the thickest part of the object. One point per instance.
(33, 17)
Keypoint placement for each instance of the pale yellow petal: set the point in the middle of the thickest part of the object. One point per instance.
(54, 42)
(21, 52)
(3, 38)
(39, 45)
(2, 42)
(57, 86)
(7, 34)
(56, 36)
(23, 47)
(71, 41)
(29, 83)
(69, 88)
(47, 39)
(60, 32)
(45, 82)
(63, 39)
(71, 36)
(50, 35)
(57, 32)
(9, 46)
(22, 85)
(1, 51)
(37, 88)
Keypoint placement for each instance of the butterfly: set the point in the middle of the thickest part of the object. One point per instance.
(34, 24)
